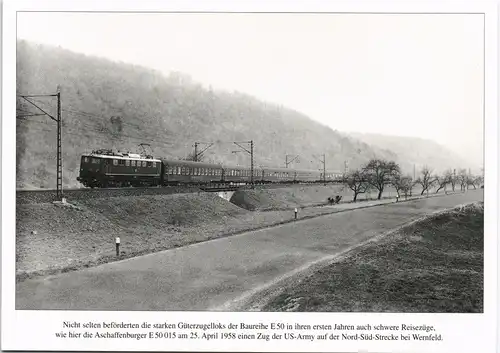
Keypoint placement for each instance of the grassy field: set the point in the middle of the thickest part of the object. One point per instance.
(434, 265)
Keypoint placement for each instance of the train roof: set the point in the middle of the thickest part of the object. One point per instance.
(133, 157)
(192, 164)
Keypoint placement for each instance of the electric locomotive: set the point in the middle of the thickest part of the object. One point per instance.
(105, 168)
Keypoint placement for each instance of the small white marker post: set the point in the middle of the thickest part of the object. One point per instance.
(295, 212)
(117, 241)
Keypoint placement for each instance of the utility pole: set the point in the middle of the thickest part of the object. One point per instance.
(239, 144)
(293, 159)
(324, 166)
(59, 147)
(324, 169)
(197, 154)
(414, 175)
(58, 120)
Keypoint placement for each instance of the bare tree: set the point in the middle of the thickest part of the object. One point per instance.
(356, 181)
(426, 179)
(452, 179)
(402, 184)
(475, 181)
(380, 173)
(463, 179)
(442, 180)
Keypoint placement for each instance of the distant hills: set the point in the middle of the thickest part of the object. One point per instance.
(107, 104)
(415, 151)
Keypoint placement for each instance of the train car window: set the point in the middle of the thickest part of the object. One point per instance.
(115, 161)
(150, 164)
(127, 163)
(132, 163)
(95, 161)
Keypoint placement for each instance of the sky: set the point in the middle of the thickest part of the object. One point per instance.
(407, 75)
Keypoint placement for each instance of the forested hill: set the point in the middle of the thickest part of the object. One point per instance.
(114, 105)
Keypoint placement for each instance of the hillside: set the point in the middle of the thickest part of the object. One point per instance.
(107, 104)
(413, 150)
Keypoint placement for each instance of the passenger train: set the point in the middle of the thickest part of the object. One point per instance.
(105, 168)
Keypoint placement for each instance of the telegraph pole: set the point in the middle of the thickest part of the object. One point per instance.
(324, 166)
(239, 144)
(197, 154)
(293, 159)
(58, 120)
(251, 163)
(324, 169)
(59, 147)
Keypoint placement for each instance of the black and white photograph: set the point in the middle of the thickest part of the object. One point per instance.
(234, 162)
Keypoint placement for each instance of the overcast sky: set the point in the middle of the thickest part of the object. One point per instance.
(410, 75)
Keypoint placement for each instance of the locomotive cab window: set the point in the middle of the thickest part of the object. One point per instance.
(127, 163)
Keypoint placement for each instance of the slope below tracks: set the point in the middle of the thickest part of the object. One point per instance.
(226, 273)
(40, 196)
(49, 195)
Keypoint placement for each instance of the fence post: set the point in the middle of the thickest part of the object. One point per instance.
(117, 242)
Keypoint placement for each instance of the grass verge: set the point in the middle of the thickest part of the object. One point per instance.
(435, 265)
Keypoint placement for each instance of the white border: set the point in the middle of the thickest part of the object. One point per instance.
(33, 330)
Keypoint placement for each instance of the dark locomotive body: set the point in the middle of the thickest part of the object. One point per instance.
(108, 169)
(104, 168)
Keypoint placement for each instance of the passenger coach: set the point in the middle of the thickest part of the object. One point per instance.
(187, 172)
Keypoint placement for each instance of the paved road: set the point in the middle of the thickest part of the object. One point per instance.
(212, 274)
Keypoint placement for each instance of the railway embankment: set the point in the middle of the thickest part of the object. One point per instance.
(56, 237)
